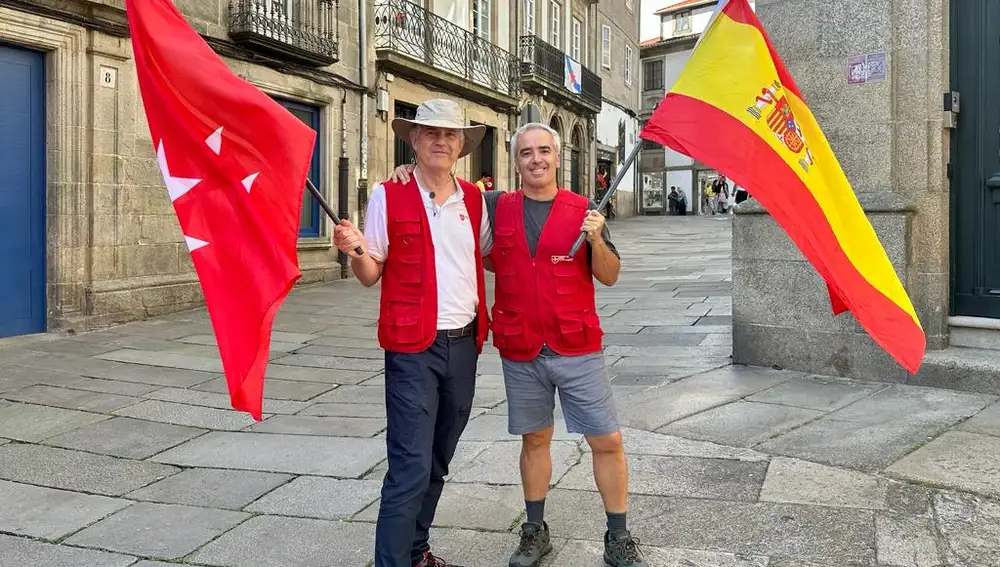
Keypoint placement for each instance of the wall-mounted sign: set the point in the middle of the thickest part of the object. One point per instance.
(876, 67)
(870, 68)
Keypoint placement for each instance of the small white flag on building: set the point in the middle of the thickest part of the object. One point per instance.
(574, 74)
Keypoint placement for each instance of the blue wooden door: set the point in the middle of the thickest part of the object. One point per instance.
(22, 192)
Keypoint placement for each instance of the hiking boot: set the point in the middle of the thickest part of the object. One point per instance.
(430, 561)
(535, 544)
(622, 552)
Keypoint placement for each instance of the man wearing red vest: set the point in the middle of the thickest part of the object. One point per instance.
(546, 327)
(424, 239)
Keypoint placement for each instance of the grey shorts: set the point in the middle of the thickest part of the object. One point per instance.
(584, 392)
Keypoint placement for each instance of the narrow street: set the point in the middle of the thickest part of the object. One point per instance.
(117, 448)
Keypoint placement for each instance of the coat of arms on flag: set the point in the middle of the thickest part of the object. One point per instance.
(573, 75)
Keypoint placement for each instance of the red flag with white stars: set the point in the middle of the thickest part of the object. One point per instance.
(234, 163)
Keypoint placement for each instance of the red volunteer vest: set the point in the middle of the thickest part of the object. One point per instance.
(538, 301)
(408, 307)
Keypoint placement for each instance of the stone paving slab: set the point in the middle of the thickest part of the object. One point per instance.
(970, 526)
(741, 424)
(819, 393)
(353, 395)
(28, 422)
(70, 399)
(498, 463)
(157, 375)
(839, 535)
(346, 410)
(494, 428)
(582, 553)
(321, 375)
(957, 459)
(918, 405)
(294, 454)
(471, 506)
(211, 488)
(693, 395)
(125, 437)
(986, 422)
(221, 401)
(22, 552)
(689, 477)
(348, 342)
(78, 471)
(318, 497)
(317, 425)
(791, 481)
(269, 541)
(367, 353)
(49, 513)
(191, 416)
(639, 442)
(179, 530)
(906, 541)
(127, 389)
(868, 448)
(275, 389)
(165, 359)
(332, 362)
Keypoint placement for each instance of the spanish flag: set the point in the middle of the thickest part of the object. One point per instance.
(736, 109)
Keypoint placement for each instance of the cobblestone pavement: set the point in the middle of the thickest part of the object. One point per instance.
(117, 448)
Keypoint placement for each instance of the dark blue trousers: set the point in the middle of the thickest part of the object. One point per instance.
(428, 399)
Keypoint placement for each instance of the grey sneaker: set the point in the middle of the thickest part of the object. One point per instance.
(623, 551)
(535, 544)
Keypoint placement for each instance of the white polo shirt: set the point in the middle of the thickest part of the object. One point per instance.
(454, 259)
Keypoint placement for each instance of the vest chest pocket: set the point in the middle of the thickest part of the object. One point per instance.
(566, 278)
(504, 262)
(409, 238)
(408, 232)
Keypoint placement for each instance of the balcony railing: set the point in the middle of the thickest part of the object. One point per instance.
(407, 29)
(545, 65)
(303, 31)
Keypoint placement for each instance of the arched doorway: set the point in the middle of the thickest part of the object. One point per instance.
(576, 164)
(556, 124)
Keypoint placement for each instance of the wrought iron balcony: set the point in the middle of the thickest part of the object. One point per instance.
(304, 31)
(413, 41)
(545, 68)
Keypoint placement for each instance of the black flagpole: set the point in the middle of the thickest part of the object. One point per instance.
(607, 195)
(326, 208)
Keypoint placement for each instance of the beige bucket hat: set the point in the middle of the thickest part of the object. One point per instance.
(441, 113)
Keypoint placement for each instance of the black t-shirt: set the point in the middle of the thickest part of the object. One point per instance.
(535, 215)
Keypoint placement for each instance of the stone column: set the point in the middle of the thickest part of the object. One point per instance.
(889, 138)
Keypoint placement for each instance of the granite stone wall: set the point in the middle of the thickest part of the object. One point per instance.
(888, 136)
(115, 251)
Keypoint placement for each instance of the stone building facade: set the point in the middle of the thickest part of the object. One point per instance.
(679, 25)
(617, 28)
(557, 55)
(457, 49)
(880, 78)
(94, 238)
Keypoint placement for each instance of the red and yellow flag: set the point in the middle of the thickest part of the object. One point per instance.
(736, 108)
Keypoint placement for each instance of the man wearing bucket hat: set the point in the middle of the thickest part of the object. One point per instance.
(424, 239)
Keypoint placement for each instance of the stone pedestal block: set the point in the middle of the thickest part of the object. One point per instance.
(781, 308)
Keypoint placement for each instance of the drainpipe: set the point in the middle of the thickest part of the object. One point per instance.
(343, 173)
(363, 81)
